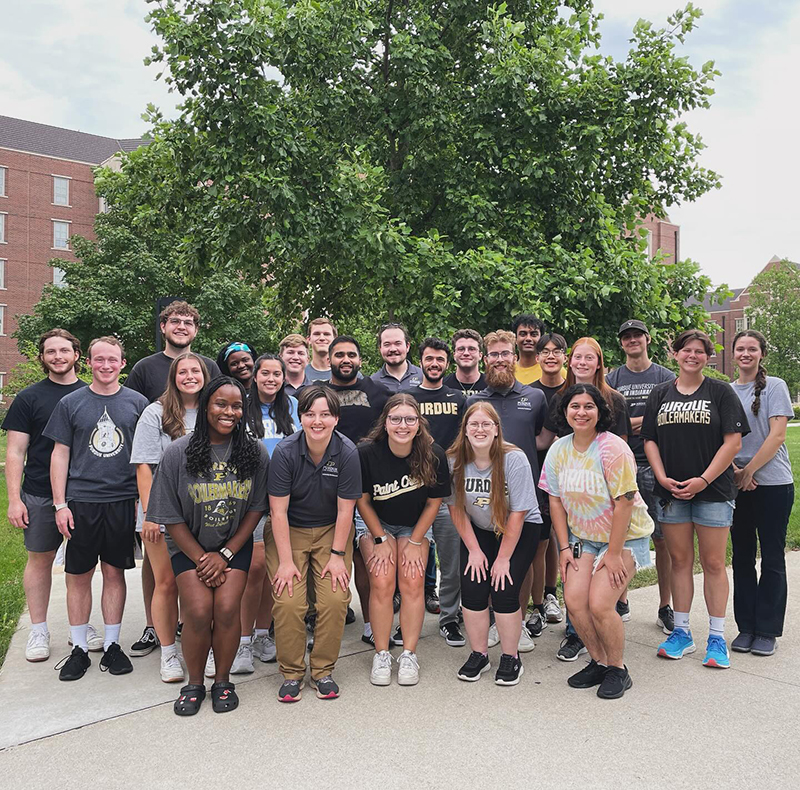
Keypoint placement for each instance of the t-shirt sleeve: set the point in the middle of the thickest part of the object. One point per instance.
(59, 426)
(619, 470)
(280, 473)
(548, 481)
(551, 415)
(213, 369)
(732, 416)
(779, 403)
(541, 412)
(18, 417)
(648, 430)
(164, 506)
(135, 380)
(442, 487)
(451, 499)
(349, 475)
(519, 480)
(622, 421)
(364, 452)
(259, 499)
(146, 448)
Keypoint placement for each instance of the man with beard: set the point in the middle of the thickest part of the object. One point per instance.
(467, 346)
(293, 350)
(443, 407)
(397, 373)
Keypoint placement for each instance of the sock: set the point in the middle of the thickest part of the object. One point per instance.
(168, 651)
(682, 620)
(367, 630)
(485, 654)
(716, 627)
(40, 627)
(550, 591)
(111, 634)
(79, 637)
(539, 608)
(245, 640)
(262, 631)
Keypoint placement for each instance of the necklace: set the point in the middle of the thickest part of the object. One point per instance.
(226, 453)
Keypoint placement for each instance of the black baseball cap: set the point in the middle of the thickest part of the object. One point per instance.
(633, 324)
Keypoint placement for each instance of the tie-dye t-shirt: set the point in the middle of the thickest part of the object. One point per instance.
(588, 482)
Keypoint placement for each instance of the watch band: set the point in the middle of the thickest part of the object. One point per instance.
(338, 553)
(226, 554)
(60, 506)
(380, 539)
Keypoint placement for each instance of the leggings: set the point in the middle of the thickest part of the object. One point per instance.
(475, 594)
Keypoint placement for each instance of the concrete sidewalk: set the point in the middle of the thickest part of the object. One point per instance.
(681, 725)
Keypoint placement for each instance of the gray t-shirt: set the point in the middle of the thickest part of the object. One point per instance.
(99, 430)
(211, 508)
(520, 491)
(312, 374)
(775, 402)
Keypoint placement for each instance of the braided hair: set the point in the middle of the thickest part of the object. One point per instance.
(761, 375)
(279, 410)
(245, 450)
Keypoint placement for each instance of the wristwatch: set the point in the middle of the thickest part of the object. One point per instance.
(61, 506)
(227, 554)
(338, 553)
(381, 539)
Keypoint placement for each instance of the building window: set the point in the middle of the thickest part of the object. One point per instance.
(2, 384)
(58, 276)
(742, 324)
(2, 227)
(61, 190)
(61, 235)
(711, 365)
(3, 182)
(2, 320)
(2, 274)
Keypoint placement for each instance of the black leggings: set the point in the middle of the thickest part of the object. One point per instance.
(475, 594)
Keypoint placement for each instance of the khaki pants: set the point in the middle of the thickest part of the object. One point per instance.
(311, 550)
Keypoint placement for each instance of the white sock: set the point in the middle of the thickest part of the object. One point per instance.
(111, 634)
(79, 637)
(367, 630)
(167, 651)
(716, 627)
(39, 627)
(245, 640)
(682, 620)
(262, 631)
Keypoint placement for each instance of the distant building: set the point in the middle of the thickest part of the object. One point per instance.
(663, 236)
(46, 195)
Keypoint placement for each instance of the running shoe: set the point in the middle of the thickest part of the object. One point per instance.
(591, 675)
(432, 600)
(624, 610)
(494, 637)
(211, 666)
(115, 661)
(397, 638)
(311, 625)
(452, 635)
(264, 648)
(615, 683)
(350, 617)
(764, 645)
(743, 643)
(326, 687)
(243, 660)
(407, 669)
(536, 624)
(552, 611)
(677, 644)
(74, 666)
(172, 669)
(510, 670)
(716, 653)
(290, 691)
(396, 602)
(381, 674)
(370, 640)
(474, 667)
(38, 647)
(147, 643)
(571, 647)
(93, 639)
(526, 643)
(666, 619)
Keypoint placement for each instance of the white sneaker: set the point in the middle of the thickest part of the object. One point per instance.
(494, 637)
(93, 639)
(243, 662)
(211, 667)
(264, 648)
(552, 611)
(172, 669)
(38, 647)
(381, 674)
(407, 669)
(526, 644)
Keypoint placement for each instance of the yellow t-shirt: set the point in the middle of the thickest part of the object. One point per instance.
(533, 373)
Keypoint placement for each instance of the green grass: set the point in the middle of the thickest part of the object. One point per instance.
(793, 446)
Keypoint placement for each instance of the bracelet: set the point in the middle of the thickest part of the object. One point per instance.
(566, 548)
(338, 553)
(705, 481)
(414, 543)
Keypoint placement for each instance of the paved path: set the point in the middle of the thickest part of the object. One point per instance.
(681, 725)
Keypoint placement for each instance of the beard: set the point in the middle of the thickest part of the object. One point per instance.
(500, 378)
(434, 378)
(336, 372)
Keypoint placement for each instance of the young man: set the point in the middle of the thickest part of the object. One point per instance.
(443, 407)
(467, 347)
(527, 329)
(30, 503)
(636, 380)
(94, 497)
(320, 334)
(293, 350)
(397, 373)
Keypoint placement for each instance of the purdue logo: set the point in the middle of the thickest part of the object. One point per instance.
(438, 408)
(106, 439)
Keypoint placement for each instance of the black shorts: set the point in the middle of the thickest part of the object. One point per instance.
(41, 534)
(547, 525)
(240, 562)
(102, 529)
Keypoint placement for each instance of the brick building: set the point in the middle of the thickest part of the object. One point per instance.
(46, 195)
(663, 236)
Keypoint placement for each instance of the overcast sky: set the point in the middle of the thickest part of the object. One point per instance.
(78, 64)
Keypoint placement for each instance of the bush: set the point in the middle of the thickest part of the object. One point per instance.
(796, 408)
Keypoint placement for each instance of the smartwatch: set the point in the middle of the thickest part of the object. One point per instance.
(380, 539)
(227, 554)
(61, 506)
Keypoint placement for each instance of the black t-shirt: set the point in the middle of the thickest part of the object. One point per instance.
(361, 404)
(29, 413)
(397, 497)
(467, 389)
(622, 418)
(149, 375)
(690, 429)
(443, 408)
(549, 392)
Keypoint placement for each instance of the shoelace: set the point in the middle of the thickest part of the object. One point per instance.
(677, 635)
(384, 660)
(173, 661)
(407, 658)
(474, 660)
(38, 638)
(716, 642)
(506, 663)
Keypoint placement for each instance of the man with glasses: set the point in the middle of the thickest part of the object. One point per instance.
(467, 347)
(397, 373)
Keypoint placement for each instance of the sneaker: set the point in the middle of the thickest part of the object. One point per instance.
(290, 691)
(432, 600)
(38, 647)
(311, 625)
(172, 669)
(452, 635)
(264, 648)
(494, 637)
(74, 666)
(211, 666)
(571, 647)
(381, 674)
(350, 617)
(510, 670)
(536, 624)
(93, 639)
(147, 643)
(243, 660)
(677, 645)
(370, 640)
(326, 687)
(397, 638)
(743, 643)
(115, 661)
(396, 602)
(764, 645)
(407, 669)
(716, 653)
(615, 683)
(552, 611)
(474, 667)
(591, 675)
(624, 610)
(526, 643)
(178, 632)
(666, 619)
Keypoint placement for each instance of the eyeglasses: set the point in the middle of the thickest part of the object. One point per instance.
(500, 355)
(483, 426)
(552, 352)
(180, 321)
(410, 419)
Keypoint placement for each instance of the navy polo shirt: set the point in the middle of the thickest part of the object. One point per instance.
(314, 488)
(411, 378)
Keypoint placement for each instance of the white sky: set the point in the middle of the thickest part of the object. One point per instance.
(78, 64)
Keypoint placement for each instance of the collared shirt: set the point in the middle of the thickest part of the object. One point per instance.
(290, 390)
(411, 378)
(312, 488)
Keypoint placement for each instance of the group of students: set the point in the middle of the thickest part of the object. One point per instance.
(258, 483)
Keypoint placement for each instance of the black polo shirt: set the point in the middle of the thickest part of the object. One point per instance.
(314, 488)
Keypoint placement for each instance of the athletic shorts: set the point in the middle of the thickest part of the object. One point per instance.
(240, 562)
(103, 530)
(547, 525)
(41, 534)
(264, 523)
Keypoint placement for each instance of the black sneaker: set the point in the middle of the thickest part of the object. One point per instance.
(178, 631)
(350, 618)
(74, 666)
(615, 683)
(666, 619)
(326, 687)
(452, 635)
(571, 648)
(474, 667)
(510, 670)
(432, 600)
(146, 644)
(115, 661)
(396, 601)
(536, 624)
(624, 610)
(591, 675)
(370, 640)
(398, 637)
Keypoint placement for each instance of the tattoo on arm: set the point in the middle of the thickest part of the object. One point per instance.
(629, 495)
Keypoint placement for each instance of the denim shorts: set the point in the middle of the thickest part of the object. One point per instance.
(389, 529)
(707, 514)
(638, 547)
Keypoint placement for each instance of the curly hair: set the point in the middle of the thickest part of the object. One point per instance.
(173, 410)
(605, 417)
(761, 374)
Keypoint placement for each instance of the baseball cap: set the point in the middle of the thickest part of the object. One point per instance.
(633, 324)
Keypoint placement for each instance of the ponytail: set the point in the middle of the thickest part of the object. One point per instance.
(761, 382)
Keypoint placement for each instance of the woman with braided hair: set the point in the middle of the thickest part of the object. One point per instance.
(764, 478)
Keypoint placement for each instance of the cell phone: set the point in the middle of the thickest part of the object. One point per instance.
(577, 550)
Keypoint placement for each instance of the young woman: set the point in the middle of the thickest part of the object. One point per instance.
(495, 511)
(404, 477)
(603, 532)
(271, 415)
(210, 491)
(173, 415)
(692, 430)
(763, 475)
(237, 360)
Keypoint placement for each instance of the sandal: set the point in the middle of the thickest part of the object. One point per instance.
(191, 698)
(223, 697)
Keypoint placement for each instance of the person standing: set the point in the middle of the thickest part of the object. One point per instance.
(527, 330)
(397, 373)
(293, 351)
(467, 348)
(237, 360)
(321, 333)
(94, 497)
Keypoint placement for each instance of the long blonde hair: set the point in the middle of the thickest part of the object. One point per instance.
(171, 401)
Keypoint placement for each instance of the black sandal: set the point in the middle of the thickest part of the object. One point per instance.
(191, 698)
(223, 697)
